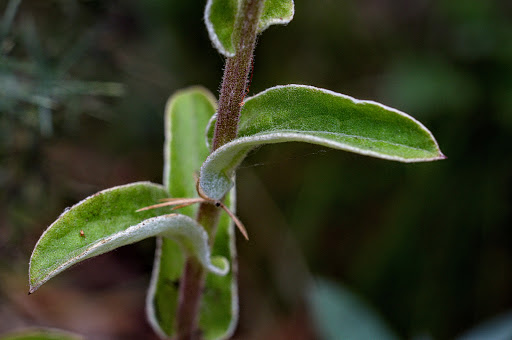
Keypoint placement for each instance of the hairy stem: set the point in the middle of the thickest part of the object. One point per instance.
(189, 300)
(192, 283)
(232, 93)
(236, 72)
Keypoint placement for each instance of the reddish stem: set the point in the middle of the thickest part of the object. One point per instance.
(232, 93)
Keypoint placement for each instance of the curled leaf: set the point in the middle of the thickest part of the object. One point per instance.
(187, 114)
(106, 221)
(299, 113)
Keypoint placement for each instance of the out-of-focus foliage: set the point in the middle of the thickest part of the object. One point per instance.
(40, 334)
(498, 328)
(340, 314)
(31, 83)
(428, 245)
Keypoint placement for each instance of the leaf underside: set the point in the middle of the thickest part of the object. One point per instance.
(87, 223)
(221, 15)
(307, 114)
(187, 114)
(108, 220)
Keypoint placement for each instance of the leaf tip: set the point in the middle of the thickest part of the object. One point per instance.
(438, 157)
(34, 284)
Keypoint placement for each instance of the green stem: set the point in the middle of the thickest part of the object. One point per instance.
(232, 93)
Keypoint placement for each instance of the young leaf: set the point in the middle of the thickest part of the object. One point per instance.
(307, 114)
(220, 17)
(107, 220)
(276, 12)
(187, 114)
(339, 314)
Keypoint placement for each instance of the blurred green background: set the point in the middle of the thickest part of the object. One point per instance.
(83, 86)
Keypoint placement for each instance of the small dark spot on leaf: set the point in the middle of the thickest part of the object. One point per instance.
(173, 283)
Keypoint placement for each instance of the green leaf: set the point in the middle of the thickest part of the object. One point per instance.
(108, 220)
(220, 19)
(302, 113)
(219, 310)
(40, 334)
(187, 114)
(276, 12)
(339, 314)
(221, 15)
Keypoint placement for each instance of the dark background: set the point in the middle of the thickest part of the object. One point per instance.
(427, 245)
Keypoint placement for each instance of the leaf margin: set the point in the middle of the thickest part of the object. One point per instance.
(216, 183)
(158, 308)
(265, 22)
(97, 247)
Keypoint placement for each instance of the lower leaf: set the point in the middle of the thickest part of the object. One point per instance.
(106, 221)
(219, 307)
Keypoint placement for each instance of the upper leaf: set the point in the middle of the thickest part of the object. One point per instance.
(307, 114)
(187, 114)
(276, 12)
(108, 220)
(221, 15)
